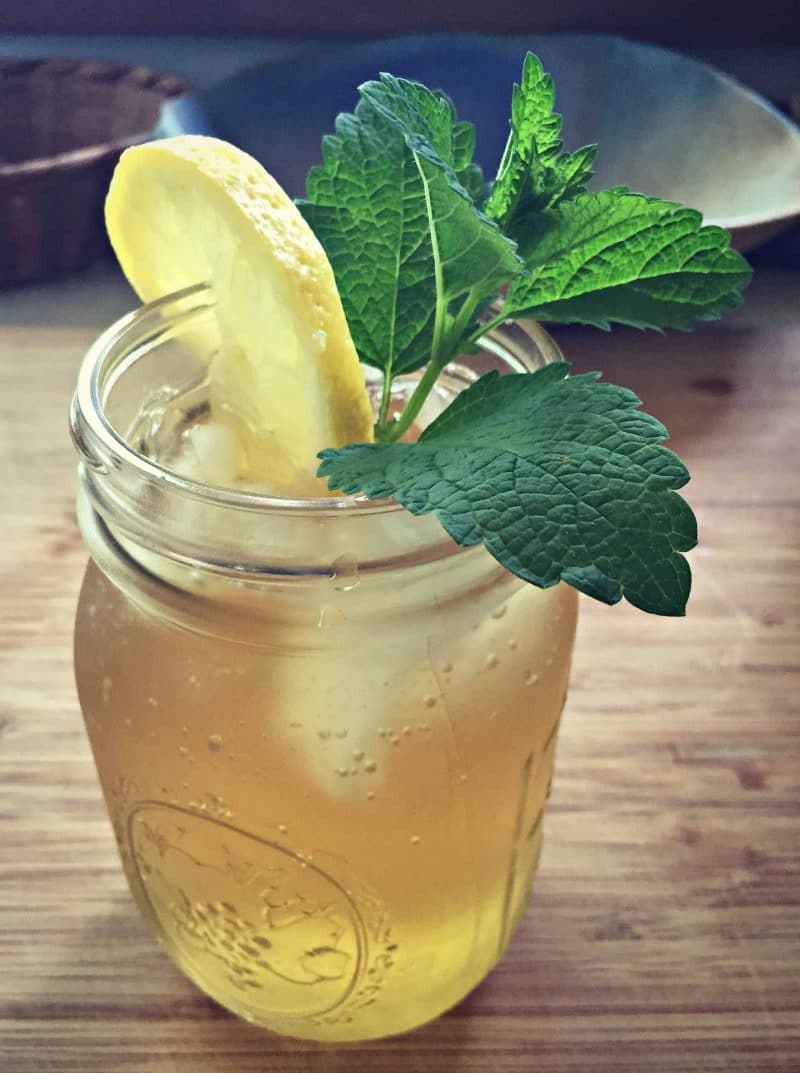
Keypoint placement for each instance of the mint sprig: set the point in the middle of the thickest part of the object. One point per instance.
(562, 478)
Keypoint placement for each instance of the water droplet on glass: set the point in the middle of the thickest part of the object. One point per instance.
(324, 734)
(463, 777)
(371, 795)
(106, 690)
(128, 722)
(152, 702)
(295, 726)
(415, 840)
(492, 715)
(342, 732)
(353, 770)
(500, 611)
(447, 668)
(358, 754)
(407, 730)
(512, 643)
(342, 771)
(370, 766)
(183, 750)
(344, 574)
(429, 701)
(491, 661)
(284, 830)
(531, 679)
(394, 739)
(214, 742)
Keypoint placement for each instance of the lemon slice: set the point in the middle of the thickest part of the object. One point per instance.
(192, 209)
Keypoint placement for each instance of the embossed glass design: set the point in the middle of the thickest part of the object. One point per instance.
(325, 734)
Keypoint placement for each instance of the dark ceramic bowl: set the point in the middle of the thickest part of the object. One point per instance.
(63, 125)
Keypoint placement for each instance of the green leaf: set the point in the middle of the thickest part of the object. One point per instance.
(364, 206)
(400, 229)
(474, 255)
(618, 256)
(534, 173)
(559, 477)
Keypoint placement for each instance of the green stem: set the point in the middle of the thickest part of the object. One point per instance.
(381, 425)
(455, 342)
(414, 404)
(484, 327)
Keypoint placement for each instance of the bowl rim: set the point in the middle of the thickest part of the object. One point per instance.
(166, 86)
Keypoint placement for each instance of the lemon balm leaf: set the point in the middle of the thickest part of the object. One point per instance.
(534, 173)
(560, 477)
(392, 204)
(620, 257)
(364, 206)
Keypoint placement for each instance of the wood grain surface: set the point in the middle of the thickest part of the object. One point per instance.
(664, 935)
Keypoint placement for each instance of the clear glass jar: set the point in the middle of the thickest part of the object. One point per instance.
(324, 732)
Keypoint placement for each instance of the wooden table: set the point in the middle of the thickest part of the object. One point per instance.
(663, 937)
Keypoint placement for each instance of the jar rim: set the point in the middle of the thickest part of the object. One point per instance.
(87, 414)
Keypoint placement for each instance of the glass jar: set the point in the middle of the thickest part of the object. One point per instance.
(324, 732)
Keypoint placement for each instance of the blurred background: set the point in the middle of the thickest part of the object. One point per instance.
(79, 81)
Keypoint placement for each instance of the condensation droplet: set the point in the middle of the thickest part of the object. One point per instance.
(394, 739)
(295, 726)
(106, 690)
(324, 734)
(415, 840)
(353, 770)
(531, 679)
(407, 730)
(152, 702)
(463, 776)
(128, 722)
(500, 611)
(429, 701)
(284, 830)
(344, 574)
(182, 749)
(214, 742)
(370, 766)
(341, 732)
(491, 661)
(512, 643)
(447, 668)
(492, 715)
(342, 771)
(370, 795)
(358, 754)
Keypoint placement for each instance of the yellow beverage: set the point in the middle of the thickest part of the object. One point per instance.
(325, 733)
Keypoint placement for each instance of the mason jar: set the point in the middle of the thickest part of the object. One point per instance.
(325, 733)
